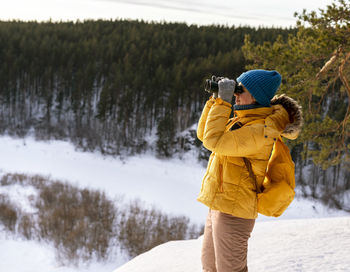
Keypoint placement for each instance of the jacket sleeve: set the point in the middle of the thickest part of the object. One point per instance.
(237, 143)
(203, 118)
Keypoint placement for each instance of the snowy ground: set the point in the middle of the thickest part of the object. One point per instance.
(170, 185)
(320, 245)
(30, 256)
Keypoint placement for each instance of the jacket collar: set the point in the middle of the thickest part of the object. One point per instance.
(247, 107)
(257, 113)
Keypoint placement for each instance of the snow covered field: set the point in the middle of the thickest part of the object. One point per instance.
(30, 256)
(170, 185)
(319, 245)
(298, 244)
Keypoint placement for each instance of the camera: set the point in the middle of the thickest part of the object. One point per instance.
(212, 86)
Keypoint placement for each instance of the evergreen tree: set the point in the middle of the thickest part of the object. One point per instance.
(315, 66)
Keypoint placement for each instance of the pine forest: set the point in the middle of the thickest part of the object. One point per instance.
(124, 87)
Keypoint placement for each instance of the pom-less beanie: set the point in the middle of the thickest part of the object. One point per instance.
(262, 84)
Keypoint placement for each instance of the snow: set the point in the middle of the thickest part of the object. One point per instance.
(173, 256)
(21, 196)
(301, 245)
(170, 185)
(30, 256)
(303, 238)
(320, 245)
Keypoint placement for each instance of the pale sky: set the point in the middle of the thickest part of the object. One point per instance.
(200, 12)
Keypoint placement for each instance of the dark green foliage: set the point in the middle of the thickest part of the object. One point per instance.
(165, 135)
(106, 85)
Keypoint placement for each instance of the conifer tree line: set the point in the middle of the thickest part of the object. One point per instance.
(111, 85)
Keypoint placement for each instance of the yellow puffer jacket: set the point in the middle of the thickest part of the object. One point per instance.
(226, 185)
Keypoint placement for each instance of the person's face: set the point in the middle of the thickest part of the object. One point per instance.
(244, 98)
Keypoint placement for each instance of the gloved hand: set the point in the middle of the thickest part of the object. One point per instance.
(226, 89)
(216, 79)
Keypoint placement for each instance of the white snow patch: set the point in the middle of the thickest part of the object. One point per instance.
(32, 256)
(22, 196)
(320, 245)
(173, 256)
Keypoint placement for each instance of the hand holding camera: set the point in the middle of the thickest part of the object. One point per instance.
(211, 85)
(222, 87)
(226, 89)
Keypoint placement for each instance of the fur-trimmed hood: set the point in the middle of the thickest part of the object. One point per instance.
(292, 129)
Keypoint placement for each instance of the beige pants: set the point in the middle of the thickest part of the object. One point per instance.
(225, 242)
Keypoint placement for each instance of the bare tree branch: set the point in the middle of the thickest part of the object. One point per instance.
(329, 63)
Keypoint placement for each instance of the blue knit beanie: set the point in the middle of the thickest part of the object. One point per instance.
(261, 84)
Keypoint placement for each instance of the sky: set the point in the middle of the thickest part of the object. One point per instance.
(256, 13)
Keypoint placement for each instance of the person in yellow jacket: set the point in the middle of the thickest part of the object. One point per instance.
(227, 189)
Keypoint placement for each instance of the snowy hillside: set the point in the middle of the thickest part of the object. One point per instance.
(321, 245)
(172, 186)
(169, 185)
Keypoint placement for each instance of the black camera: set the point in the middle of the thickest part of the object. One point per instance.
(212, 86)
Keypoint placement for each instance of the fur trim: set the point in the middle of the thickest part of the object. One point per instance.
(294, 110)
